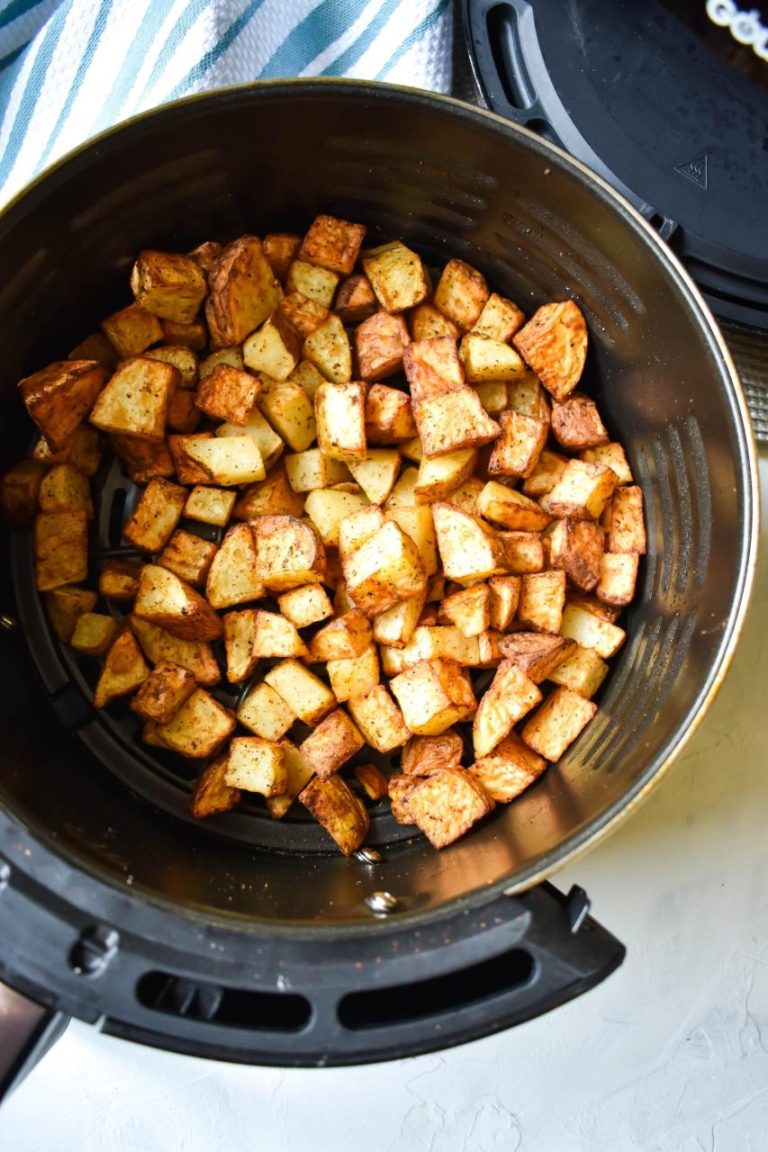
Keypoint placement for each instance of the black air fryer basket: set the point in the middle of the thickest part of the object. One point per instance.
(246, 939)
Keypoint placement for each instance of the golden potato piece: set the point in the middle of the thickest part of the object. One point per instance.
(135, 400)
(577, 546)
(303, 314)
(542, 597)
(183, 360)
(618, 578)
(93, 633)
(372, 780)
(60, 396)
(461, 293)
(194, 335)
(335, 740)
(272, 496)
(384, 569)
(454, 420)
(547, 471)
(167, 687)
(275, 636)
(170, 603)
(328, 508)
(353, 676)
(239, 638)
(446, 804)
(341, 813)
(275, 347)
(333, 243)
(183, 415)
(298, 774)
(388, 415)
(226, 461)
(423, 755)
(302, 691)
(264, 712)
(613, 456)
(212, 794)
(583, 671)
(469, 550)
(379, 344)
(210, 505)
(142, 460)
(379, 719)
(132, 330)
(439, 476)
(124, 670)
(199, 728)
(159, 645)
(557, 723)
(581, 492)
(500, 318)
(168, 284)
(328, 348)
(399, 787)
(308, 604)
(289, 552)
(536, 653)
(228, 394)
(576, 424)
(280, 248)
(432, 368)
(256, 765)
(20, 490)
(511, 695)
(156, 515)
(508, 770)
(63, 607)
(189, 556)
(243, 292)
(433, 695)
(487, 359)
(340, 415)
(511, 509)
(428, 323)
(232, 577)
(83, 450)
(317, 284)
(289, 409)
(517, 451)
(590, 631)
(355, 299)
(61, 549)
(554, 343)
(624, 523)
(96, 347)
(504, 598)
(397, 276)
(347, 636)
(523, 551)
(468, 609)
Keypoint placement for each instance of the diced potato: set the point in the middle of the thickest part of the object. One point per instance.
(206, 254)
(618, 577)
(446, 804)
(305, 605)
(536, 653)
(492, 395)
(379, 719)
(582, 491)
(60, 396)
(224, 460)
(289, 552)
(256, 765)
(397, 276)
(388, 415)
(417, 523)
(341, 813)
(509, 769)
(526, 395)
(335, 740)
(156, 515)
(583, 671)
(523, 551)
(291, 413)
(170, 603)
(302, 691)
(318, 284)
(328, 348)
(376, 472)
(328, 508)
(428, 323)
(142, 460)
(612, 455)
(228, 393)
(399, 787)
(485, 358)
(96, 347)
(93, 633)
(511, 509)
(239, 644)
(63, 607)
(576, 546)
(439, 476)
(159, 645)
(504, 598)
(194, 335)
(432, 368)
(469, 610)
(303, 315)
(280, 249)
(403, 494)
(440, 642)
(298, 774)
(557, 723)
(392, 661)
(396, 626)
(554, 343)
(469, 550)
(379, 344)
(500, 318)
(212, 795)
(383, 570)
(372, 781)
(233, 357)
(454, 420)
(333, 243)
(548, 470)
(312, 469)
(264, 713)
(467, 495)
(189, 556)
(274, 348)
(20, 490)
(167, 687)
(199, 728)
(132, 330)
(308, 377)
(353, 676)
(340, 413)
(183, 360)
(232, 577)
(542, 597)
(168, 284)
(123, 671)
(516, 452)
(510, 697)
(183, 415)
(135, 400)
(433, 695)
(624, 523)
(589, 631)
(275, 636)
(359, 528)
(355, 299)
(243, 292)
(488, 649)
(423, 755)
(60, 548)
(272, 496)
(461, 293)
(576, 424)
(83, 450)
(210, 505)
(347, 636)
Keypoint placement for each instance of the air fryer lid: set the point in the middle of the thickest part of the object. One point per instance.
(667, 100)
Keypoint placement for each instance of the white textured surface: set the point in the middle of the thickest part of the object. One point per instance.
(669, 1055)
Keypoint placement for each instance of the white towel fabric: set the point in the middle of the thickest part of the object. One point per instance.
(71, 68)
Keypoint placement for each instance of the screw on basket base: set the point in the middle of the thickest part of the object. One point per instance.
(382, 903)
(368, 856)
(8, 622)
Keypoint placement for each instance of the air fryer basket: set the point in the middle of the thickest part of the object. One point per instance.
(88, 813)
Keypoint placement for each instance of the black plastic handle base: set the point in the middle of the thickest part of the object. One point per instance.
(27, 1031)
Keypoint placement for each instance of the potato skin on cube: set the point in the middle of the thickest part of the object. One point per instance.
(332, 243)
(232, 577)
(335, 740)
(168, 284)
(59, 397)
(433, 695)
(554, 343)
(243, 292)
(446, 804)
(423, 755)
(212, 794)
(167, 687)
(289, 552)
(228, 394)
(334, 805)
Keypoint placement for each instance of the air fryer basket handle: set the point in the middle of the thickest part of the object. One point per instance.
(27, 1031)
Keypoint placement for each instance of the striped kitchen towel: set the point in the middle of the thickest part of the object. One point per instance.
(71, 68)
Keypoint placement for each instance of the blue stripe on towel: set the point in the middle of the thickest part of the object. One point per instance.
(429, 20)
(216, 53)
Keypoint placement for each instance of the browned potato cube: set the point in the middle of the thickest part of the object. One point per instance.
(583, 671)
(493, 395)
(60, 396)
(328, 348)
(345, 637)
(143, 461)
(399, 787)
(232, 576)
(554, 343)
(511, 509)
(526, 395)
(93, 633)
(132, 330)
(273, 496)
(599, 608)
(504, 598)
(332, 743)
(432, 368)
(212, 794)
(332, 243)
(310, 280)
(83, 450)
(423, 755)
(124, 670)
(20, 490)
(447, 804)
(305, 605)
(354, 675)
(304, 315)
(341, 813)
(388, 415)
(618, 577)
(397, 276)
(612, 455)
(542, 597)
(461, 293)
(454, 420)
(168, 284)
(439, 642)
(511, 695)
(548, 470)
(557, 723)
(264, 712)
(509, 769)
(376, 473)
(206, 254)
(165, 600)
(210, 505)
(275, 636)
(433, 695)
(199, 728)
(96, 347)
(582, 491)
(194, 335)
(383, 570)
(576, 546)
(280, 250)
(523, 552)
(159, 645)
(379, 719)
(486, 359)
(500, 318)
(167, 687)
(156, 515)
(189, 556)
(516, 452)
(183, 415)
(576, 424)
(298, 774)
(256, 765)
(535, 653)
(135, 400)
(590, 631)
(469, 609)
(340, 414)
(427, 323)
(397, 625)
(290, 411)
(63, 607)
(304, 692)
(243, 292)
(469, 550)
(61, 549)
(624, 523)
(233, 357)
(223, 460)
(289, 553)
(228, 394)
(372, 780)
(379, 344)
(355, 299)
(275, 348)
